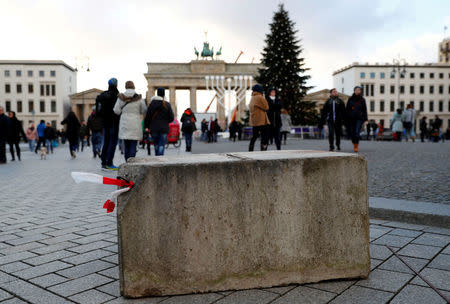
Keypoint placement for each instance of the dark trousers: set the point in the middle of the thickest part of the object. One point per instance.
(2, 151)
(109, 145)
(11, 149)
(188, 139)
(41, 140)
(276, 136)
(422, 135)
(284, 136)
(334, 129)
(354, 130)
(73, 145)
(259, 131)
(130, 148)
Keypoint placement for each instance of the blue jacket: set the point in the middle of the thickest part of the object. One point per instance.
(40, 129)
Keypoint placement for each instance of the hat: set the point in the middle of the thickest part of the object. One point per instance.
(160, 92)
(257, 88)
(112, 81)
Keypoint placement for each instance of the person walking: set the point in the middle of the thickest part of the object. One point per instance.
(188, 127)
(211, 127)
(50, 136)
(274, 115)
(333, 114)
(380, 131)
(397, 125)
(408, 119)
(72, 132)
(356, 115)
(285, 125)
(233, 128)
(159, 115)
(84, 135)
(31, 136)
(4, 134)
(437, 125)
(15, 132)
(217, 129)
(104, 105)
(95, 126)
(258, 118)
(204, 126)
(41, 136)
(423, 128)
(130, 106)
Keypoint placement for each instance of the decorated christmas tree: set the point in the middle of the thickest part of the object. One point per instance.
(284, 69)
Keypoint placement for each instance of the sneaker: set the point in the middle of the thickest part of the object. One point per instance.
(112, 168)
(104, 168)
(73, 154)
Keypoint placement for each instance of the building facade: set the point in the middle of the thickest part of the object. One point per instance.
(37, 90)
(444, 51)
(83, 102)
(320, 97)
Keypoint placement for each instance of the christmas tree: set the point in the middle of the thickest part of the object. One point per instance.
(284, 69)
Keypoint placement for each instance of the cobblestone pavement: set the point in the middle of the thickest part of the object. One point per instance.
(57, 244)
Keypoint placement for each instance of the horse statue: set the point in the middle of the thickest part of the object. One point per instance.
(196, 52)
(219, 52)
(206, 52)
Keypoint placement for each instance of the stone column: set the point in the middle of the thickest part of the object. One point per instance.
(220, 113)
(86, 111)
(193, 98)
(172, 99)
(150, 93)
(240, 113)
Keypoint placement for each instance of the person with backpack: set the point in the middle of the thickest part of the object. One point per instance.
(130, 106)
(95, 126)
(159, 115)
(356, 115)
(188, 127)
(50, 136)
(72, 132)
(41, 137)
(105, 104)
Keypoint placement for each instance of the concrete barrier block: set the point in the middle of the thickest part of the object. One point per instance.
(217, 222)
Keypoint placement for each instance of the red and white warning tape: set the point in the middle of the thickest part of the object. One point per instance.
(109, 205)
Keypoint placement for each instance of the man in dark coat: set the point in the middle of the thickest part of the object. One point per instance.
(15, 131)
(50, 136)
(188, 127)
(72, 131)
(423, 128)
(274, 114)
(333, 114)
(4, 134)
(95, 125)
(356, 115)
(105, 104)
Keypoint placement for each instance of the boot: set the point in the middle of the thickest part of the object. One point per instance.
(18, 155)
(355, 147)
(251, 147)
(263, 147)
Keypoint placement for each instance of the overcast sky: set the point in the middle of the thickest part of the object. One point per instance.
(120, 37)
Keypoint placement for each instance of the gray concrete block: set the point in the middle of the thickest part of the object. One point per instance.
(206, 298)
(46, 258)
(88, 256)
(333, 286)
(405, 232)
(357, 294)
(40, 270)
(5, 295)
(112, 288)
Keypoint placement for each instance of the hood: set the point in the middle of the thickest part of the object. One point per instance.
(268, 92)
(254, 93)
(156, 98)
(188, 112)
(129, 96)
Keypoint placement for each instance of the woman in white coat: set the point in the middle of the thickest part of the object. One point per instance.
(130, 107)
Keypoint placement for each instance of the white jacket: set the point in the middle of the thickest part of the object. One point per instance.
(130, 107)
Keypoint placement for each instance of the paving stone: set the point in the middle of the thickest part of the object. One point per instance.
(419, 251)
(46, 258)
(60, 239)
(98, 230)
(437, 230)
(374, 263)
(394, 264)
(40, 270)
(13, 267)
(79, 285)
(377, 221)
(405, 232)
(54, 247)
(404, 225)
(433, 240)
(446, 250)
(439, 278)
(412, 294)
(357, 294)
(91, 238)
(393, 240)
(90, 246)
(91, 297)
(123, 300)
(113, 273)
(16, 257)
(442, 261)
(279, 290)
(112, 288)
(112, 259)
(303, 294)
(58, 232)
(89, 256)
(205, 298)
(32, 293)
(5, 295)
(14, 301)
(85, 269)
(114, 248)
(48, 280)
(385, 280)
(28, 239)
(247, 297)
(376, 233)
(333, 286)
(379, 252)
(21, 248)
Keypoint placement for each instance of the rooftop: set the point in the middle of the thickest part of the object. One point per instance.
(387, 64)
(37, 62)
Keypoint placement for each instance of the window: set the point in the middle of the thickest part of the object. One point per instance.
(53, 90)
(42, 90)
(19, 88)
(411, 75)
(372, 89)
(422, 75)
(431, 89)
(381, 88)
(30, 73)
(42, 106)
(392, 89)
(422, 89)
(411, 89)
(19, 106)
(372, 106)
(402, 75)
(382, 75)
(431, 106)
(47, 89)
(362, 75)
(382, 106)
(402, 89)
(30, 106)
(30, 88)
(422, 106)
(52, 73)
(392, 75)
(431, 75)
(41, 74)
(53, 106)
(412, 103)
(8, 106)
(402, 105)
(441, 89)
(7, 74)
(392, 106)
(441, 106)
(18, 73)
(441, 75)
(372, 75)
(7, 88)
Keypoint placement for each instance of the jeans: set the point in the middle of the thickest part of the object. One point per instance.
(41, 140)
(48, 143)
(73, 145)
(31, 144)
(334, 129)
(130, 148)
(188, 138)
(159, 141)
(109, 146)
(2, 151)
(11, 148)
(276, 135)
(257, 131)
(204, 136)
(96, 139)
(355, 129)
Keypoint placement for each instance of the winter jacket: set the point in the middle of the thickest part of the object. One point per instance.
(31, 134)
(258, 110)
(274, 112)
(72, 126)
(396, 123)
(158, 116)
(130, 107)
(40, 129)
(339, 111)
(4, 127)
(95, 123)
(104, 105)
(423, 125)
(409, 115)
(356, 108)
(50, 133)
(15, 130)
(188, 121)
(286, 123)
(84, 131)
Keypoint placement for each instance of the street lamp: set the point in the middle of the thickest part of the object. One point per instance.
(398, 67)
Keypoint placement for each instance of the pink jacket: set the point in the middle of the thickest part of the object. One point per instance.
(32, 135)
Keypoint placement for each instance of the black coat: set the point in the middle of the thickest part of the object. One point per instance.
(356, 108)
(50, 133)
(327, 111)
(95, 123)
(274, 112)
(104, 105)
(72, 126)
(158, 116)
(4, 128)
(16, 130)
(188, 128)
(423, 125)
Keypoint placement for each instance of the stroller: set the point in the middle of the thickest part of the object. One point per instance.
(174, 134)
